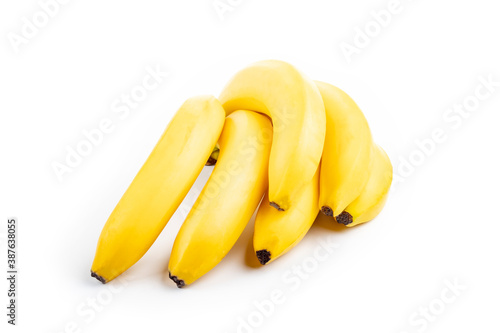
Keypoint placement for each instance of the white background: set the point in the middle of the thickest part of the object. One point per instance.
(440, 223)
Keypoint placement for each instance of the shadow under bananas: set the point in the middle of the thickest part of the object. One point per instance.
(244, 244)
(321, 223)
(327, 222)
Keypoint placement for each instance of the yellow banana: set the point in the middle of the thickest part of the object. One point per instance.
(347, 154)
(296, 108)
(228, 200)
(373, 197)
(277, 232)
(159, 187)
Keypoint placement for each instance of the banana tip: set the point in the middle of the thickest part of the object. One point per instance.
(327, 211)
(180, 283)
(264, 256)
(98, 277)
(211, 161)
(344, 218)
(275, 205)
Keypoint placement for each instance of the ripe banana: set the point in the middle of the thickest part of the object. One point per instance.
(278, 232)
(373, 197)
(296, 108)
(159, 187)
(347, 154)
(228, 200)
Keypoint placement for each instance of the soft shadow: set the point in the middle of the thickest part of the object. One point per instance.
(327, 222)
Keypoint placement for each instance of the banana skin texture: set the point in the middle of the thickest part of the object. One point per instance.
(159, 187)
(295, 106)
(228, 200)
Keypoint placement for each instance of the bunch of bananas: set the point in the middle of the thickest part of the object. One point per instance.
(294, 146)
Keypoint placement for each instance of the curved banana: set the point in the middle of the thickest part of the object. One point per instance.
(347, 154)
(296, 108)
(373, 197)
(278, 232)
(228, 200)
(159, 187)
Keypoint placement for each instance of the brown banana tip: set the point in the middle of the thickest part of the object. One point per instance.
(344, 218)
(327, 211)
(275, 205)
(264, 256)
(98, 277)
(180, 283)
(211, 161)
